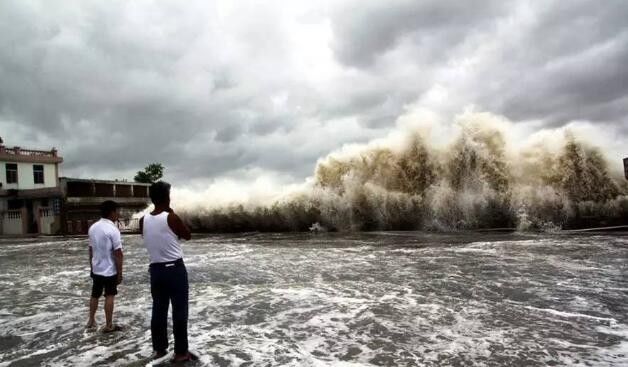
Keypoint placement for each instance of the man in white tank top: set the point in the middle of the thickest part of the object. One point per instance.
(162, 229)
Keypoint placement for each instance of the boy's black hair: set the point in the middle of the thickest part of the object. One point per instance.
(107, 207)
(159, 192)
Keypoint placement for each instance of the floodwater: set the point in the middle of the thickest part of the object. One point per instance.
(374, 299)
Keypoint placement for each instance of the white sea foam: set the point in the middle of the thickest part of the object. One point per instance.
(263, 300)
(481, 176)
(610, 321)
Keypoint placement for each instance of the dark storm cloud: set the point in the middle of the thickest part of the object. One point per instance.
(91, 72)
(214, 89)
(553, 61)
(366, 29)
(574, 65)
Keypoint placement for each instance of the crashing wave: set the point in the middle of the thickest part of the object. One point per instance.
(477, 181)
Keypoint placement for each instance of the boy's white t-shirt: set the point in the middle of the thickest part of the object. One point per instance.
(104, 239)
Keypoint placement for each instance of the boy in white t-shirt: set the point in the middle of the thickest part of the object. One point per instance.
(105, 261)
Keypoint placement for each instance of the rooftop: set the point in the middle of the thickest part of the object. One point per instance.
(17, 154)
(91, 180)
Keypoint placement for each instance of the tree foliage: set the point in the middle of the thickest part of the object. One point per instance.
(152, 173)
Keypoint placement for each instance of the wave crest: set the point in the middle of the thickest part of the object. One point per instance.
(478, 180)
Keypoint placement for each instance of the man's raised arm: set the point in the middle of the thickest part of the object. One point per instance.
(178, 227)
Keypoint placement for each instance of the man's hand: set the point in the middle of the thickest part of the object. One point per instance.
(119, 280)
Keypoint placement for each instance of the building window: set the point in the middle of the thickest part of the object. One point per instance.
(38, 173)
(11, 173)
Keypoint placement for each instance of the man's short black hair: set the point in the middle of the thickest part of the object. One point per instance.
(159, 192)
(107, 207)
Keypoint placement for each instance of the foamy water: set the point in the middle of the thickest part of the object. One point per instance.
(387, 299)
(482, 177)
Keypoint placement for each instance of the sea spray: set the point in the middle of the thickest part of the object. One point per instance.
(480, 179)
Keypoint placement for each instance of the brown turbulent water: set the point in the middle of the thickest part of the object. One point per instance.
(364, 299)
(480, 179)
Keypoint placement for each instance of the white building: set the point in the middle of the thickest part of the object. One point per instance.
(30, 196)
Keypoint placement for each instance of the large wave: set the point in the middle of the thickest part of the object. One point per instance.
(478, 179)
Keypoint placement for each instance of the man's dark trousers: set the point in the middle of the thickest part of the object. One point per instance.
(169, 283)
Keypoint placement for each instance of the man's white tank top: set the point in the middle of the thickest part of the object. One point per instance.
(162, 244)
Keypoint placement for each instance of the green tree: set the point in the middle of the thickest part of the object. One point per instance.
(152, 173)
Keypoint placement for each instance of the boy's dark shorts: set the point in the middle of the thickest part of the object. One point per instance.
(109, 284)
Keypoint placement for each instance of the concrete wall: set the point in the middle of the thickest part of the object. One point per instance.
(25, 179)
(46, 221)
(12, 222)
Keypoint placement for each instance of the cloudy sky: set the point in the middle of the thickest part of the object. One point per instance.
(246, 89)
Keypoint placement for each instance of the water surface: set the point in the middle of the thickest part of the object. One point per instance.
(380, 299)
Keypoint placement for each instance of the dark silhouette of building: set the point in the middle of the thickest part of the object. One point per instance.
(82, 197)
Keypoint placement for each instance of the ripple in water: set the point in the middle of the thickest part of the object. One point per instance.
(336, 300)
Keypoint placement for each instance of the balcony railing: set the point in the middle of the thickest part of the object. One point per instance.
(28, 152)
(13, 214)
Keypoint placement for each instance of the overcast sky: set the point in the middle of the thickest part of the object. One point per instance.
(245, 89)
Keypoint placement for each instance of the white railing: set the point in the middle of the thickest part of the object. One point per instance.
(13, 214)
(29, 152)
(45, 212)
(129, 225)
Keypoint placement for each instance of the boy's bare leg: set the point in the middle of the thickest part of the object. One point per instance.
(109, 312)
(93, 306)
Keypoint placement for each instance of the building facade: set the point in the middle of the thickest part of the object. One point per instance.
(35, 200)
(30, 195)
